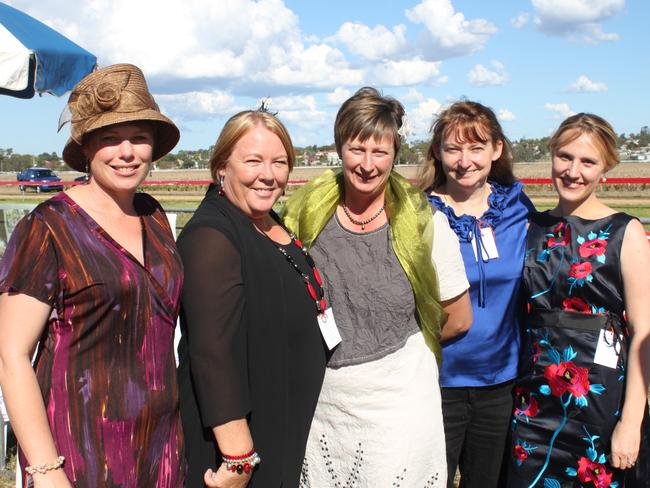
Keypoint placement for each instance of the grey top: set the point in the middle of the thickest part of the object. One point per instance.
(368, 290)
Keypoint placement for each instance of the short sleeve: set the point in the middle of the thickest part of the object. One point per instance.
(212, 313)
(30, 264)
(447, 259)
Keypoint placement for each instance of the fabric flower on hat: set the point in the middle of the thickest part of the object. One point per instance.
(107, 95)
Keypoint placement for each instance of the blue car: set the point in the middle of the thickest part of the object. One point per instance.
(47, 179)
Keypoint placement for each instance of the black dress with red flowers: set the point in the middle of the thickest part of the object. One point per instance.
(570, 394)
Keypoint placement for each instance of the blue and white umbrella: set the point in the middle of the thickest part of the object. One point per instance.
(34, 58)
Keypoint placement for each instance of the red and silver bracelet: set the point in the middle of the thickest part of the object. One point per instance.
(242, 464)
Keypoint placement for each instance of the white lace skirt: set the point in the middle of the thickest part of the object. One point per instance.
(379, 424)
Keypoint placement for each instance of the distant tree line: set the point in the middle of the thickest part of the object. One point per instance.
(524, 149)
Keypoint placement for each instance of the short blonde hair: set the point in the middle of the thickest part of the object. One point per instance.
(368, 114)
(601, 132)
(237, 126)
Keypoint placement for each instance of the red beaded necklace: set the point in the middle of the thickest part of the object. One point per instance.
(319, 298)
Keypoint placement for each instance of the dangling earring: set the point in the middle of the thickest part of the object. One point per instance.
(87, 167)
(221, 192)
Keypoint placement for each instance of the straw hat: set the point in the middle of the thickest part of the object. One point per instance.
(110, 96)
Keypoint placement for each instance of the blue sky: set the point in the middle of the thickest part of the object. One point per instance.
(533, 61)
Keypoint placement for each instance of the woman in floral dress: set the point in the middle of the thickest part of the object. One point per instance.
(580, 404)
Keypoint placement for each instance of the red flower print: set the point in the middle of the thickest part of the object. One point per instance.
(576, 304)
(566, 376)
(538, 351)
(561, 235)
(580, 271)
(594, 247)
(520, 453)
(525, 404)
(596, 473)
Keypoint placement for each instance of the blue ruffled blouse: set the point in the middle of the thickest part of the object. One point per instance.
(488, 353)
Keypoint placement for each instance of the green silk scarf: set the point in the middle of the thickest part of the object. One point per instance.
(411, 230)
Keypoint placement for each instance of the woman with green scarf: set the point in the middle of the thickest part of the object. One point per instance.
(382, 251)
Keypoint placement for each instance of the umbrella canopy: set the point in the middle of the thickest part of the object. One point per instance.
(36, 58)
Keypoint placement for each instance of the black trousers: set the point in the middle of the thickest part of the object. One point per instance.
(476, 421)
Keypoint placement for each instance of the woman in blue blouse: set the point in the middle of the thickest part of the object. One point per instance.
(468, 176)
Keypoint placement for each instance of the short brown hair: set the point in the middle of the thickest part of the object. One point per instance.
(473, 122)
(368, 114)
(237, 126)
(599, 129)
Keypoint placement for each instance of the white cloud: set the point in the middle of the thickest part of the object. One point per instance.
(404, 73)
(421, 117)
(372, 44)
(584, 85)
(197, 104)
(449, 33)
(412, 96)
(441, 80)
(317, 66)
(479, 75)
(506, 115)
(338, 96)
(576, 19)
(561, 110)
(244, 46)
(520, 20)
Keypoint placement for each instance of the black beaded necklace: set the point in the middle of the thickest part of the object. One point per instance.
(319, 298)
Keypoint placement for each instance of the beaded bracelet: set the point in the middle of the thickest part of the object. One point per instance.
(242, 464)
(44, 468)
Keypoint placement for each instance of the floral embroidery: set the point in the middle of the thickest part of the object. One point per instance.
(580, 270)
(525, 405)
(576, 304)
(521, 451)
(594, 245)
(579, 274)
(566, 376)
(592, 468)
(538, 351)
(561, 235)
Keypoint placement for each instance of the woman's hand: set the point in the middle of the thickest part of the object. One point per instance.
(626, 440)
(223, 478)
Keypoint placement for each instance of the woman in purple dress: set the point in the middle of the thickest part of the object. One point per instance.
(93, 276)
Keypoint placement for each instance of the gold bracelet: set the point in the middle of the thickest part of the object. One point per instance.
(44, 468)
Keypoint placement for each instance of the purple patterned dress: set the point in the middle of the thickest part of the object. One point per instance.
(105, 363)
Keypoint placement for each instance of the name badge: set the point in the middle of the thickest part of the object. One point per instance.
(607, 351)
(328, 329)
(489, 245)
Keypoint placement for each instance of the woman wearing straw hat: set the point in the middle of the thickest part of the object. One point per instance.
(94, 277)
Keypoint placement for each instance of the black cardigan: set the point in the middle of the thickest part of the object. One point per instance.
(250, 346)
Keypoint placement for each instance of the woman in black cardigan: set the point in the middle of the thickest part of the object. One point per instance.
(251, 358)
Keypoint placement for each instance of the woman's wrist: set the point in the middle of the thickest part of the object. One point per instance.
(244, 463)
